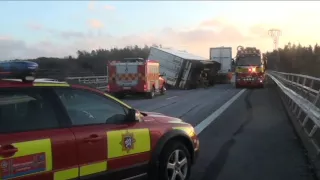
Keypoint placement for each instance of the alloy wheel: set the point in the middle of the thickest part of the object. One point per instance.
(177, 166)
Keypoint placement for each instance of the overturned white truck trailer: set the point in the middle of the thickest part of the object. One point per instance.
(181, 69)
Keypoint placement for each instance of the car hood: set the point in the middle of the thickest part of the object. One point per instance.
(161, 118)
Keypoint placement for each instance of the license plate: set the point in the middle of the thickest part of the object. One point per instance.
(126, 87)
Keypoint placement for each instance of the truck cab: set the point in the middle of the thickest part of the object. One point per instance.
(249, 68)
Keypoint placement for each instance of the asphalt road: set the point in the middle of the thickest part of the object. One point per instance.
(252, 140)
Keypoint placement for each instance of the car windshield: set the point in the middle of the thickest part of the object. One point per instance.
(249, 61)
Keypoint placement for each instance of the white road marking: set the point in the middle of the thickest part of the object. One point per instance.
(171, 97)
(206, 122)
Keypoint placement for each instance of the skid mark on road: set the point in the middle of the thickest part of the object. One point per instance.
(222, 156)
(249, 115)
(219, 161)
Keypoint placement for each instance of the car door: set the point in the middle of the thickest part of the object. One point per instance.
(34, 145)
(107, 142)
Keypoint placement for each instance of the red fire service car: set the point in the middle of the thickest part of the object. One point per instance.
(249, 68)
(52, 130)
(135, 76)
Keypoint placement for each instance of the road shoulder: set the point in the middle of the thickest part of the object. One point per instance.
(253, 140)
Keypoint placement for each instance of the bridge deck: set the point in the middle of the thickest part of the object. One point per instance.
(252, 140)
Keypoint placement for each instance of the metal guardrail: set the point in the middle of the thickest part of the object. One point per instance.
(301, 93)
(100, 82)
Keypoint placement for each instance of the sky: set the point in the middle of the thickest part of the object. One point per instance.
(31, 29)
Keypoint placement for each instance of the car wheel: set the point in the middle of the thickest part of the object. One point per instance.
(175, 162)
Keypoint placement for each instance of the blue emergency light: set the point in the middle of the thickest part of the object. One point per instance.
(24, 70)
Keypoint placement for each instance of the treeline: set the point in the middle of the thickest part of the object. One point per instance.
(295, 59)
(86, 63)
(292, 58)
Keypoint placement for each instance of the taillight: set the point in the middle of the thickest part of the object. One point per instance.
(108, 88)
(253, 69)
(145, 87)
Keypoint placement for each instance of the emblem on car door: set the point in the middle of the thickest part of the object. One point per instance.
(127, 142)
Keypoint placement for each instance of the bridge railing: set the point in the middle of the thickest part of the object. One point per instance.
(306, 86)
(99, 82)
(301, 95)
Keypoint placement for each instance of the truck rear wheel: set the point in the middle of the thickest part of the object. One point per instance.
(163, 90)
(151, 94)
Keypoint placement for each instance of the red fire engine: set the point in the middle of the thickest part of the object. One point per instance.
(249, 67)
(134, 76)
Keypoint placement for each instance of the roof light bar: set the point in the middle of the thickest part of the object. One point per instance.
(25, 70)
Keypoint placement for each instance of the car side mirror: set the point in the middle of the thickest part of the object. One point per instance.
(133, 115)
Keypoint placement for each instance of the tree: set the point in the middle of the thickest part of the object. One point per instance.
(296, 59)
(86, 63)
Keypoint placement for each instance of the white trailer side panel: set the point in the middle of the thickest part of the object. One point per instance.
(170, 64)
(185, 74)
(223, 55)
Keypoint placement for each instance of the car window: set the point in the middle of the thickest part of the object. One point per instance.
(86, 107)
(26, 110)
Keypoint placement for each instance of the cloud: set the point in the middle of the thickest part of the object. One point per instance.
(34, 26)
(109, 7)
(55, 33)
(196, 39)
(211, 23)
(14, 49)
(96, 24)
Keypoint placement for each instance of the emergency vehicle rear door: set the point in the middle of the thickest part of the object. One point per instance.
(107, 144)
(127, 74)
(33, 143)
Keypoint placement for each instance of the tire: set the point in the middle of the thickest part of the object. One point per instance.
(151, 94)
(163, 90)
(168, 156)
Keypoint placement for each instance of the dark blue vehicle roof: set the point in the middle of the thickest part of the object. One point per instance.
(22, 65)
